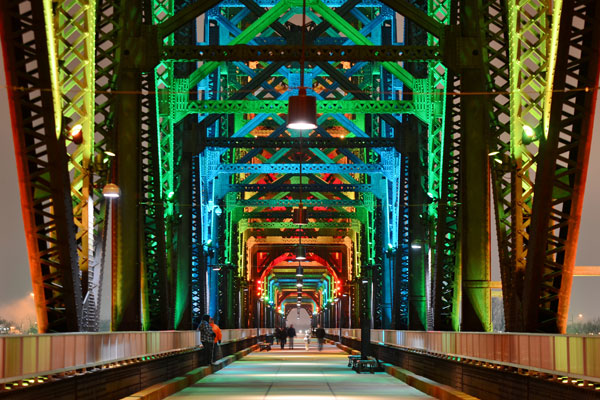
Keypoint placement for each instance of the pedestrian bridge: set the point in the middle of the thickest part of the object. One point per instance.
(417, 365)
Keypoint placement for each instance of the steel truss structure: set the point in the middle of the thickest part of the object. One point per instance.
(183, 105)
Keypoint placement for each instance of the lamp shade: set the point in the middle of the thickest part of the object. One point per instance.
(111, 190)
(300, 252)
(302, 112)
(299, 217)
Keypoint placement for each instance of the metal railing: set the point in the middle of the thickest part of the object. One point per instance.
(27, 356)
(576, 356)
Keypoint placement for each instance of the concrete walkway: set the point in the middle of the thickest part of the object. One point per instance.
(297, 375)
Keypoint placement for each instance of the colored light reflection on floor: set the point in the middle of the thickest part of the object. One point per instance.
(291, 375)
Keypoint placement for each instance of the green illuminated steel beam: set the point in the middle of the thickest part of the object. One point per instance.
(425, 21)
(281, 107)
(71, 32)
(247, 34)
(243, 52)
(243, 225)
(358, 38)
(184, 16)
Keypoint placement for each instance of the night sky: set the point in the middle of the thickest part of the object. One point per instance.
(16, 303)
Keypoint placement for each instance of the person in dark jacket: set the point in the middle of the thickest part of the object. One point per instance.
(320, 334)
(207, 336)
(291, 333)
(282, 335)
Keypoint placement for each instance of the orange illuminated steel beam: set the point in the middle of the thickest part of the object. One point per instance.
(593, 270)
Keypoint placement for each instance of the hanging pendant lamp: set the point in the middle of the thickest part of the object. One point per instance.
(302, 109)
(300, 252)
(299, 217)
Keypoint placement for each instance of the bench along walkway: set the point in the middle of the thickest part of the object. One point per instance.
(295, 375)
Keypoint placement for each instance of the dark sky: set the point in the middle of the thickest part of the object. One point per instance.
(15, 284)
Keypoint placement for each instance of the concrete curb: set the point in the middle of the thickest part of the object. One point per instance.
(420, 383)
(165, 389)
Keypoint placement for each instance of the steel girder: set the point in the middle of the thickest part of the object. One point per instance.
(242, 52)
(71, 46)
(281, 106)
(562, 168)
(533, 265)
(294, 143)
(155, 288)
(42, 167)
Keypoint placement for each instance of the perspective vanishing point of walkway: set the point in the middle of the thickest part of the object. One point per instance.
(297, 375)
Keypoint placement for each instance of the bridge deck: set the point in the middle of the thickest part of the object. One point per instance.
(297, 374)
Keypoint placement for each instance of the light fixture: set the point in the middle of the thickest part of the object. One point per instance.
(299, 217)
(299, 284)
(76, 134)
(302, 109)
(299, 272)
(109, 153)
(300, 252)
(528, 131)
(111, 191)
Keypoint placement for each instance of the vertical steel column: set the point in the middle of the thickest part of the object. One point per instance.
(125, 266)
(474, 192)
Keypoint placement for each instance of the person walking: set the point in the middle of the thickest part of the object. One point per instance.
(282, 334)
(307, 340)
(207, 336)
(320, 334)
(217, 354)
(291, 333)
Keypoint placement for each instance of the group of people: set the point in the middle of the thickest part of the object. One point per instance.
(283, 335)
(210, 336)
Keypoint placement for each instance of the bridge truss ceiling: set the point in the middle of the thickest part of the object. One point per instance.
(218, 166)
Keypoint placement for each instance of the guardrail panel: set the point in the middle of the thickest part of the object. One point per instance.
(592, 356)
(561, 354)
(2, 358)
(29, 361)
(57, 352)
(80, 344)
(576, 356)
(13, 356)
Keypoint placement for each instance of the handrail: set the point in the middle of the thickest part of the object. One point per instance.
(27, 356)
(576, 356)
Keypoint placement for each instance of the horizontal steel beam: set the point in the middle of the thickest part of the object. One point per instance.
(295, 168)
(309, 214)
(293, 143)
(312, 187)
(290, 53)
(281, 107)
(243, 225)
(329, 3)
(295, 203)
